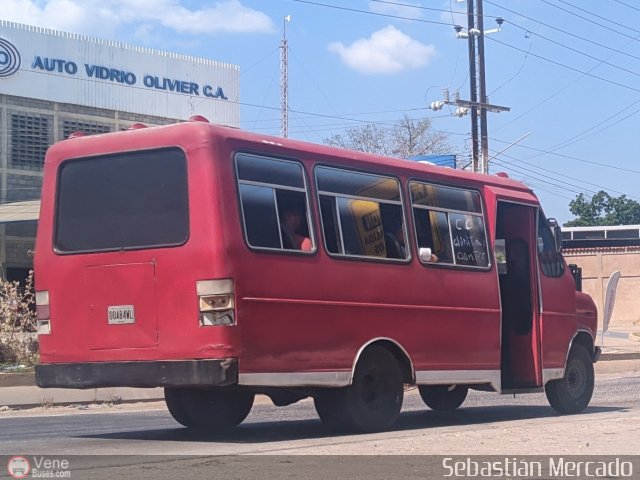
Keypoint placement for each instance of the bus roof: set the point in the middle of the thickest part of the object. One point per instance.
(199, 131)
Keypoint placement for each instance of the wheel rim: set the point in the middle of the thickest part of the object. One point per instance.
(576, 379)
(375, 390)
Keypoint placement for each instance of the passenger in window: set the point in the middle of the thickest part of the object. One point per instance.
(427, 230)
(395, 242)
(293, 224)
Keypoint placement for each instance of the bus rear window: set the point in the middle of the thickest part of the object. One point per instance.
(131, 200)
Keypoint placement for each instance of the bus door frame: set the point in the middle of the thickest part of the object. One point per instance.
(528, 371)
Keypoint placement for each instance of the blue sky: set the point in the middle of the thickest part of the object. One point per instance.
(569, 70)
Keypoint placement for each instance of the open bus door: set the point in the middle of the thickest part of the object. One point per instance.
(516, 243)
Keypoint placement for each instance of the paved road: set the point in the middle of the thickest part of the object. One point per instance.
(487, 423)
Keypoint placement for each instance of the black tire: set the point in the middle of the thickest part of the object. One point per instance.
(329, 404)
(572, 393)
(373, 401)
(443, 398)
(207, 407)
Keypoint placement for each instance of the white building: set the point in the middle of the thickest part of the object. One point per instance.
(54, 83)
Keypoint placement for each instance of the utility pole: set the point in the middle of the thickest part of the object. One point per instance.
(473, 84)
(284, 81)
(484, 141)
(478, 104)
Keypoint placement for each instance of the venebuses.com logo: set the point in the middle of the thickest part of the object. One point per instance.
(18, 467)
(9, 58)
(38, 467)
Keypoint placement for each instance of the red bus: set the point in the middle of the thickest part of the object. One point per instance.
(221, 264)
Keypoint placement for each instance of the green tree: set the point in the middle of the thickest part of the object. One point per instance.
(406, 138)
(603, 210)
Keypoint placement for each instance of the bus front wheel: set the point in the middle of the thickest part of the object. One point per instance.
(374, 399)
(443, 397)
(572, 393)
(208, 408)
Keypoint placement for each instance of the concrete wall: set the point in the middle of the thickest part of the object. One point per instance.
(597, 266)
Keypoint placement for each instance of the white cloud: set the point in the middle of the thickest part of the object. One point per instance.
(99, 17)
(405, 10)
(385, 51)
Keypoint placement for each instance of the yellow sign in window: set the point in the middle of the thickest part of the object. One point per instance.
(368, 220)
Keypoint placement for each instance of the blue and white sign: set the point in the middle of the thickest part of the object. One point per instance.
(439, 160)
(9, 58)
(68, 68)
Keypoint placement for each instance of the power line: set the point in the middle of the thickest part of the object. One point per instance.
(576, 139)
(627, 5)
(569, 157)
(542, 177)
(417, 7)
(561, 183)
(591, 21)
(535, 182)
(555, 94)
(568, 67)
(337, 7)
(558, 29)
(518, 72)
(491, 38)
(313, 80)
(575, 50)
(538, 167)
(597, 15)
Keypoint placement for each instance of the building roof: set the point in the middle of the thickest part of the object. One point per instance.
(601, 249)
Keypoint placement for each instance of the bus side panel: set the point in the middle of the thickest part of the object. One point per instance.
(314, 313)
(558, 319)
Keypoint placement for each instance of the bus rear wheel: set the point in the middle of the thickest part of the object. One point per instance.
(374, 399)
(208, 407)
(443, 397)
(572, 393)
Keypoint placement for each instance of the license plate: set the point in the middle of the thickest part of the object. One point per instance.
(120, 314)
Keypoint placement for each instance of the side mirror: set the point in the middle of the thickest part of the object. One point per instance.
(426, 255)
(557, 233)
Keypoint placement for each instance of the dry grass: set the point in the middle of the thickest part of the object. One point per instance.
(18, 342)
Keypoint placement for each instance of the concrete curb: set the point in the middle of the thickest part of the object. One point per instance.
(635, 336)
(607, 357)
(32, 396)
(17, 379)
(619, 366)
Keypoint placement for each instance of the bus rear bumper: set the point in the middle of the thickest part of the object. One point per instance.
(144, 374)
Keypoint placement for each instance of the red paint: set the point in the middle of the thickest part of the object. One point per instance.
(295, 313)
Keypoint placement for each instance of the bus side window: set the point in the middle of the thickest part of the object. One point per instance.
(294, 228)
(551, 262)
(362, 214)
(260, 216)
(394, 234)
(432, 229)
(449, 223)
(273, 197)
(330, 224)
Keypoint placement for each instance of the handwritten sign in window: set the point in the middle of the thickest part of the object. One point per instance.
(469, 240)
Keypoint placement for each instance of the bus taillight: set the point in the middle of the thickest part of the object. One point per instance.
(216, 302)
(42, 313)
